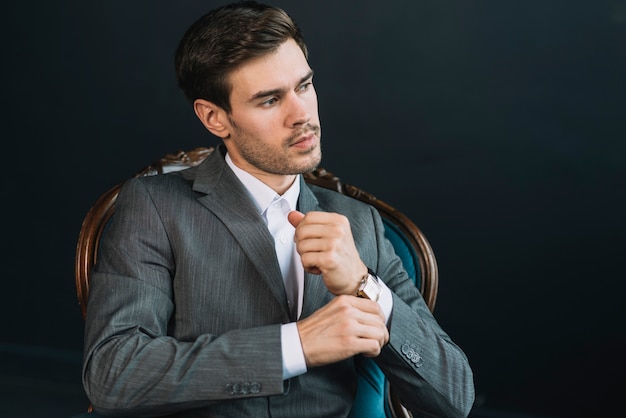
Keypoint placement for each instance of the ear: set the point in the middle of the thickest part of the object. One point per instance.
(213, 117)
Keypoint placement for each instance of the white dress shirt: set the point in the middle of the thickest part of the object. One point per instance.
(274, 209)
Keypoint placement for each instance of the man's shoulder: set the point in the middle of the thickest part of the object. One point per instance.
(170, 183)
(336, 201)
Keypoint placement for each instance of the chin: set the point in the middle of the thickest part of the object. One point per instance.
(313, 163)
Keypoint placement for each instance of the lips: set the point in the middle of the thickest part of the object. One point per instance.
(305, 143)
(307, 138)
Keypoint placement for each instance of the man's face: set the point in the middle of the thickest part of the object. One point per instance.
(274, 122)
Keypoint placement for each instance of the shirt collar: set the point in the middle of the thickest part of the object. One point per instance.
(262, 194)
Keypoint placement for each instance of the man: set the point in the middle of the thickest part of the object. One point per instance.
(230, 289)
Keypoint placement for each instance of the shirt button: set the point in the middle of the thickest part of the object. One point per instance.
(283, 239)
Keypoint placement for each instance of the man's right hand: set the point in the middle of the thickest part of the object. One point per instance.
(341, 329)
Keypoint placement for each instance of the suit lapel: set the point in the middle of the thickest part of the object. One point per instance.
(315, 291)
(228, 200)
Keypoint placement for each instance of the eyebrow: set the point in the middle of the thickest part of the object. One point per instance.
(274, 92)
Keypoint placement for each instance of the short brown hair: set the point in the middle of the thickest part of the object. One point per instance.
(225, 38)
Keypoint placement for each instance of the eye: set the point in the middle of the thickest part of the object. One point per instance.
(269, 102)
(305, 86)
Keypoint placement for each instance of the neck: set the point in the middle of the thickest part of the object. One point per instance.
(279, 183)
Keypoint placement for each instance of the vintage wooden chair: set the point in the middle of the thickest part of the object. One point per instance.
(374, 396)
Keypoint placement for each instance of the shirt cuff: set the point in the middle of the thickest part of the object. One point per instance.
(385, 301)
(294, 363)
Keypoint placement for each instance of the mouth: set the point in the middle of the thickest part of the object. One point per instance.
(305, 141)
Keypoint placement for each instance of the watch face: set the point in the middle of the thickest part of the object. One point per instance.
(370, 289)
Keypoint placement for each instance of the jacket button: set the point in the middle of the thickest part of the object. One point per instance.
(411, 352)
(230, 389)
(255, 387)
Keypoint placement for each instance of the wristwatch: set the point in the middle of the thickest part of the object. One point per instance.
(369, 288)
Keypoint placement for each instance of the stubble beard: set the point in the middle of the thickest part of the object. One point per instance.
(281, 161)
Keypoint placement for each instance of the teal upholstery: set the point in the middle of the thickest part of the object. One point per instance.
(372, 395)
(405, 251)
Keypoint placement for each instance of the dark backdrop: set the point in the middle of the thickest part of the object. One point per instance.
(497, 126)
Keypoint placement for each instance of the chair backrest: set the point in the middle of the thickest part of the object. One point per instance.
(373, 393)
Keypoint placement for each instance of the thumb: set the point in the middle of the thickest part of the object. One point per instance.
(295, 217)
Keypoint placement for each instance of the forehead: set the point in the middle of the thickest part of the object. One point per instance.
(281, 69)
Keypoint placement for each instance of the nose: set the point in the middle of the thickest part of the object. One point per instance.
(298, 113)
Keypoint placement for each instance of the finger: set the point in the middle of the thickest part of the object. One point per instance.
(374, 336)
(295, 217)
(312, 270)
(370, 306)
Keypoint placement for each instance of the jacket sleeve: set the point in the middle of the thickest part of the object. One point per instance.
(428, 371)
(132, 364)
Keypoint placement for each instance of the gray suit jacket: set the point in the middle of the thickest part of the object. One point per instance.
(186, 302)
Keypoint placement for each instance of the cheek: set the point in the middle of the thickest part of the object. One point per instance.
(313, 95)
(253, 123)
(312, 104)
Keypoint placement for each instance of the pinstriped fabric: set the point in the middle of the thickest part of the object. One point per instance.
(187, 299)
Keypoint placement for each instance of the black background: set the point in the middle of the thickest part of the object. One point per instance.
(497, 126)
